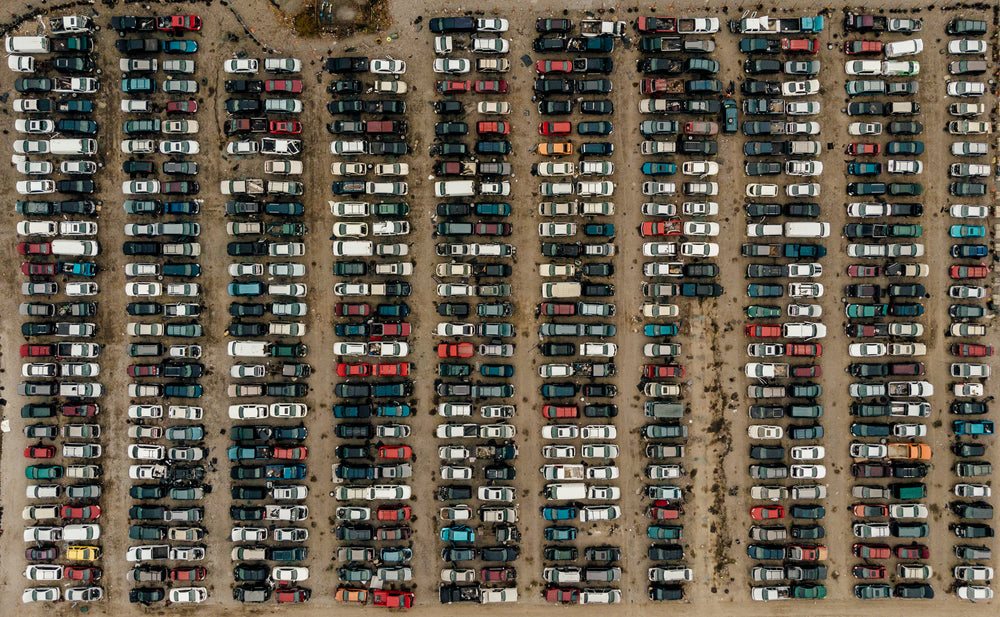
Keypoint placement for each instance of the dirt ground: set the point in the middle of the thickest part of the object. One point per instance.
(716, 516)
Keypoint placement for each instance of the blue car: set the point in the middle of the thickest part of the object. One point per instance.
(731, 115)
(395, 554)
(564, 513)
(664, 532)
(864, 169)
(182, 46)
(969, 250)
(250, 288)
(599, 229)
(659, 169)
(967, 231)
(77, 268)
(393, 411)
(984, 427)
(655, 329)
(138, 84)
(458, 533)
(560, 534)
(496, 370)
(181, 207)
(392, 310)
(594, 128)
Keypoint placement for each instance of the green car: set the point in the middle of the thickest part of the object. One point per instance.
(872, 591)
(287, 229)
(454, 370)
(43, 472)
(185, 433)
(906, 231)
(664, 532)
(391, 209)
(809, 591)
(756, 311)
(867, 310)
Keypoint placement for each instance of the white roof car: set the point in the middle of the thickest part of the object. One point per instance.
(493, 107)
(966, 46)
(764, 431)
(491, 24)
(40, 594)
(188, 594)
(289, 574)
(451, 472)
(603, 472)
(241, 65)
(185, 146)
(698, 228)
(248, 534)
(909, 47)
(242, 147)
(558, 451)
(490, 45)
(700, 249)
(454, 66)
(145, 452)
(973, 593)
(560, 431)
(861, 210)
(908, 510)
(35, 187)
(868, 450)
(599, 431)
(866, 350)
(755, 189)
(84, 594)
(599, 450)
(599, 513)
(807, 471)
(247, 412)
(863, 67)
(288, 410)
(387, 67)
(808, 453)
(140, 412)
(800, 88)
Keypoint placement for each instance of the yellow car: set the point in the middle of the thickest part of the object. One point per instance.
(348, 594)
(554, 149)
(83, 553)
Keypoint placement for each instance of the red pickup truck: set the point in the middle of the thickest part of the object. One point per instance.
(762, 331)
(176, 23)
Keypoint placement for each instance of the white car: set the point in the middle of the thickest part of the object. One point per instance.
(248, 412)
(289, 574)
(490, 46)
(968, 389)
(242, 147)
(43, 573)
(700, 249)
(248, 534)
(864, 128)
(700, 208)
(180, 595)
(808, 453)
(966, 46)
(599, 450)
(40, 594)
(34, 168)
(558, 451)
(697, 228)
(800, 88)
(241, 65)
(866, 350)
(143, 412)
(288, 410)
(145, 452)
(868, 450)
(973, 593)
(451, 472)
(599, 431)
(492, 24)
(755, 189)
(493, 107)
(387, 67)
(35, 187)
(143, 290)
(807, 471)
(140, 187)
(452, 66)
(700, 168)
(863, 67)
(765, 431)
(560, 431)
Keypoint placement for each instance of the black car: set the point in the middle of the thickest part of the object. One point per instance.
(346, 106)
(345, 86)
(354, 431)
(235, 106)
(146, 595)
(594, 86)
(802, 210)
(600, 107)
(499, 553)
(244, 85)
(246, 310)
(138, 167)
(549, 44)
(873, 108)
(355, 533)
(699, 146)
(347, 65)
(754, 210)
(246, 248)
(448, 107)
(554, 108)
(600, 411)
(247, 329)
(248, 572)
(561, 249)
(596, 149)
(555, 86)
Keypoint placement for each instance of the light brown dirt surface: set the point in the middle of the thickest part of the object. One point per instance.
(716, 516)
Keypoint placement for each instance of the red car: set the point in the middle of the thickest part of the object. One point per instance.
(283, 85)
(871, 551)
(863, 48)
(869, 509)
(395, 452)
(496, 575)
(800, 46)
(560, 411)
(356, 369)
(762, 331)
(493, 229)
(914, 551)
(39, 452)
(392, 599)
(299, 453)
(859, 271)
(653, 371)
(860, 149)
(85, 512)
(81, 573)
(31, 269)
(284, 127)
(557, 308)
(452, 87)
(868, 572)
(401, 369)
(178, 22)
(562, 596)
(285, 595)
(963, 350)
(393, 513)
(455, 350)
(79, 411)
(555, 128)
(969, 272)
(349, 309)
(143, 370)
(809, 370)
(764, 513)
(37, 351)
(660, 228)
(554, 66)
(494, 86)
(662, 511)
(182, 107)
(382, 330)
(804, 349)
(492, 128)
(188, 574)
(34, 248)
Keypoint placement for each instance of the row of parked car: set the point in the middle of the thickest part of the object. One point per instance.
(374, 377)
(268, 318)
(167, 438)
(579, 439)
(687, 115)
(475, 327)
(60, 367)
(783, 339)
(973, 244)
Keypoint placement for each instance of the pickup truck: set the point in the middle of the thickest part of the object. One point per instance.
(70, 24)
(661, 44)
(765, 370)
(764, 107)
(806, 552)
(177, 23)
(767, 25)
(77, 350)
(75, 85)
(911, 388)
(661, 66)
(597, 27)
(664, 86)
(562, 472)
(764, 128)
(71, 43)
(761, 250)
(286, 147)
(596, 44)
(698, 25)
(503, 452)
(285, 513)
(909, 451)
(804, 250)
(133, 24)
(594, 369)
(246, 125)
(249, 186)
(285, 472)
(854, 22)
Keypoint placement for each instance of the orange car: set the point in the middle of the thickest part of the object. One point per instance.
(348, 594)
(555, 149)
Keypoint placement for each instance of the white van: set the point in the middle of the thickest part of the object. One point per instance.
(76, 533)
(247, 349)
(75, 247)
(807, 229)
(27, 45)
(762, 231)
(568, 491)
(454, 188)
(73, 146)
(561, 290)
(353, 248)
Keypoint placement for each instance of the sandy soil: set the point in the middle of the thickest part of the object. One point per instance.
(715, 520)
